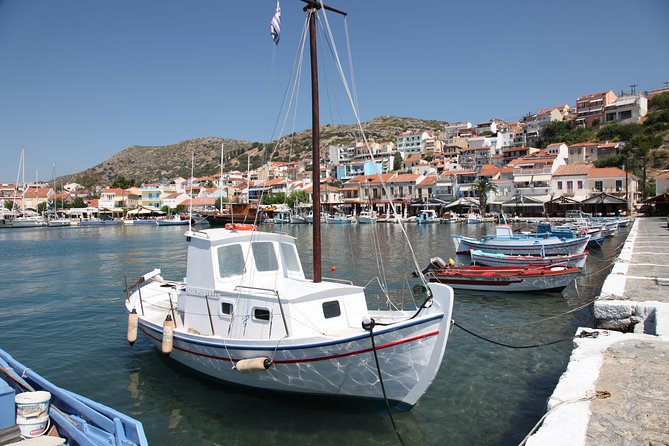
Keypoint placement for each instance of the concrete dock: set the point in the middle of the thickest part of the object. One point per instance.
(615, 390)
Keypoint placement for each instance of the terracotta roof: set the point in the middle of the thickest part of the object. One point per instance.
(584, 144)
(117, 191)
(405, 177)
(34, 192)
(606, 172)
(662, 176)
(429, 180)
(573, 169)
(412, 159)
(488, 170)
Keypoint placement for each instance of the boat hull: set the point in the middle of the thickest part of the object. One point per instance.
(489, 259)
(528, 246)
(505, 279)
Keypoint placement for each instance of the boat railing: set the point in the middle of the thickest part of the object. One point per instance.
(334, 280)
(278, 299)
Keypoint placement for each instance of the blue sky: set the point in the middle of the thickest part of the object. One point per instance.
(81, 80)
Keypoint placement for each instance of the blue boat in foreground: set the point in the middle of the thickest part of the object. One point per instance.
(76, 419)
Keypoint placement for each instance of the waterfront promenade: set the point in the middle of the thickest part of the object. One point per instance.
(615, 390)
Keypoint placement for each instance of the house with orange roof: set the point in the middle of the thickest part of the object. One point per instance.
(115, 199)
(511, 153)
(536, 123)
(590, 108)
(571, 180)
(614, 181)
(588, 152)
(34, 196)
(662, 183)
(426, 187)
(626, 109)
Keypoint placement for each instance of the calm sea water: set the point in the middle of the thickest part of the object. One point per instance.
(63, 315)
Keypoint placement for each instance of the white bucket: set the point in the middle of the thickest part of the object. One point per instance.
(32, 404)
(32, 412)
(33, 427)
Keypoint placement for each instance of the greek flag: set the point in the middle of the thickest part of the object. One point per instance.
(275, 25)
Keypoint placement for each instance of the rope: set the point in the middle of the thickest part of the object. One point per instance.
(370, 327)
(590, 396)
(509, 345)
(366, 141)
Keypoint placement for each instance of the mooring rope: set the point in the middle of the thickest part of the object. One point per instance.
(502, 344)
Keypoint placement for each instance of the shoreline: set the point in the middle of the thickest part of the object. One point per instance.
(615, 387)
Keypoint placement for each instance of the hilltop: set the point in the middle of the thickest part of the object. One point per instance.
(152, 163)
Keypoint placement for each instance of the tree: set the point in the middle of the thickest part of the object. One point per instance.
(483, 186)
(121, 182)
(296, 197)
(642, 146)
(9, 205)
(78, 203)
(42, 207)
(397, 161)
(273, 198)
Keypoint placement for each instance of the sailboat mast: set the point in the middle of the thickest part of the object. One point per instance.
(311, 8)
(315, 149)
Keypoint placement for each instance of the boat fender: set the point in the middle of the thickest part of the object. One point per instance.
(240, 227)
(133, 319)
(451, 262)
(253, 365)
(168, 333)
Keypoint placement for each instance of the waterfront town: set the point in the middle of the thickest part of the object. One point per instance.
(443, 170)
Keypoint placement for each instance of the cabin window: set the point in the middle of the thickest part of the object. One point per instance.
(290, 259)
(230, 261)
(264, 255)
(261, 314)
(226, 308)
(331, 309)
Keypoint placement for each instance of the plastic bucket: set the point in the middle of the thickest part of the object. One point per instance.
(32, 412)
(32, 404)
(33, 427)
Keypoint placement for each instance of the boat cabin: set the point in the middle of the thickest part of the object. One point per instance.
(250, 284)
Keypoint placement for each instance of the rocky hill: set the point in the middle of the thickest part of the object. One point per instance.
(153, 163)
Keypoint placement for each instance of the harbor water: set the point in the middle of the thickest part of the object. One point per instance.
(63, 315)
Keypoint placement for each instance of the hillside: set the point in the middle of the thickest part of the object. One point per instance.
(152, 163)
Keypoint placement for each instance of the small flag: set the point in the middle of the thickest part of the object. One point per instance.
(275, 25)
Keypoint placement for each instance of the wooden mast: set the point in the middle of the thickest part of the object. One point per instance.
(311, 8)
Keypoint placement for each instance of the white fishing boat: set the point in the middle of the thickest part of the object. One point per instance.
(174, 220)
(426, 216)
(367, 217)
(297, 219)
(496, 259)
(247, 314)
(473, 218)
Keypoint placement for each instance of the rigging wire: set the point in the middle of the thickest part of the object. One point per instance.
(366, 141)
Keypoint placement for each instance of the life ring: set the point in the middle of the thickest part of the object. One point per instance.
(240, 227)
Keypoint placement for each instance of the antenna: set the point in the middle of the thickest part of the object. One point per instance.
(633, 88)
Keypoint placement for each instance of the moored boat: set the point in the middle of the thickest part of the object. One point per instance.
(495, 259)
(175, 220)
(506, 242)
(501, 278)
(75, 419)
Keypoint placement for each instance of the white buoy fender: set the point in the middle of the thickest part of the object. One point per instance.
(168, 332)
(133, 319)
(253, 365)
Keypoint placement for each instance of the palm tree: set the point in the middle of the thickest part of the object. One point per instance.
(482, 187)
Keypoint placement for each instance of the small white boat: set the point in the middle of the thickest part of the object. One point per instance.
(175, 220)
(338, 219)
(35, 221)
(495, 259)
(473, 218)
(427, 216)
(367, 217)
(297, 219)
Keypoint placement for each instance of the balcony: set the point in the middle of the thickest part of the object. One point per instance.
(542, 171)
(534, 190)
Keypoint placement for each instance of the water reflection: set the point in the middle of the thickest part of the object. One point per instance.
(63, 315)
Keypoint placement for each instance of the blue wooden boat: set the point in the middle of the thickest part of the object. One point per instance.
(78, 420)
